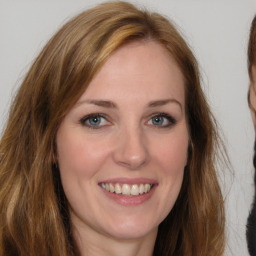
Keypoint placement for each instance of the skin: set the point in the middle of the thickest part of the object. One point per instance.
(127, 143)
(252, 99)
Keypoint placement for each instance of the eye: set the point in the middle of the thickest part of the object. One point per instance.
(162, 120)
(94, 121)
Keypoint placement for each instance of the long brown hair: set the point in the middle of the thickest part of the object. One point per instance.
(34, 218)
(251, 52)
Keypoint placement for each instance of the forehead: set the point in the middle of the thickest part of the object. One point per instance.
(141, 68)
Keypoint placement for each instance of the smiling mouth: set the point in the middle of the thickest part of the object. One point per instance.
(127, 189)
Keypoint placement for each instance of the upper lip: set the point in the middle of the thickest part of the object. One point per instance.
(123, 180)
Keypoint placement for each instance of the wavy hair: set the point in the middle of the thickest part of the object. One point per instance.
(34, 217)
(251, 51)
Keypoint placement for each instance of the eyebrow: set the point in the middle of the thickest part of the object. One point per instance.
(111, 104)
(100, 103)
(158, 103)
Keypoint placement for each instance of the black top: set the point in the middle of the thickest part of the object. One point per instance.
(251, 221)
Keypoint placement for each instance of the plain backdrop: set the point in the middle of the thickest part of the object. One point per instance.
(217, 31)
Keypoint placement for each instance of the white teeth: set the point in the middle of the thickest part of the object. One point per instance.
(135, 190)
(118, 189)
(141, 189)
(147, 188)
(111, 187)
(126, 189)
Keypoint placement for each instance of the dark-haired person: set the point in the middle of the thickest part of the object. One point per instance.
(110, 145)
(251, 222)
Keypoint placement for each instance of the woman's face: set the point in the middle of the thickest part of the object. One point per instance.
(122, 148)
(252, 98)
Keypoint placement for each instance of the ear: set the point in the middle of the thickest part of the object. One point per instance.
(252, 103)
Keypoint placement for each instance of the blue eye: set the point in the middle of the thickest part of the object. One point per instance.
(94, 121)
(162, 120)
(158, 120)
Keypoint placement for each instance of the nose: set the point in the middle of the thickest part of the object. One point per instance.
(131, 149)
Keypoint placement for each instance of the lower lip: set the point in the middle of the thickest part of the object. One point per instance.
(130, 200)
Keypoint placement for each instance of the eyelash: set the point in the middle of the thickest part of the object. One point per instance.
(84, 121)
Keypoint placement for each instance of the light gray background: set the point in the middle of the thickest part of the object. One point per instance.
(217, 32)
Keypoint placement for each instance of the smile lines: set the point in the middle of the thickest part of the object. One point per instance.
(127, 190)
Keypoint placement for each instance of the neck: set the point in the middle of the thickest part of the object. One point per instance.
(92, 243)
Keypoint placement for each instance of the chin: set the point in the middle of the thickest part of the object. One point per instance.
(131, 229)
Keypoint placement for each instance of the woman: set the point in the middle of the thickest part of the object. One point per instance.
(110, 145)
(251, 222)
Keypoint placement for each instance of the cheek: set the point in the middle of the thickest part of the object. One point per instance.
(77, 155)
(252, 101)
(172, 157)
(172, 154)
